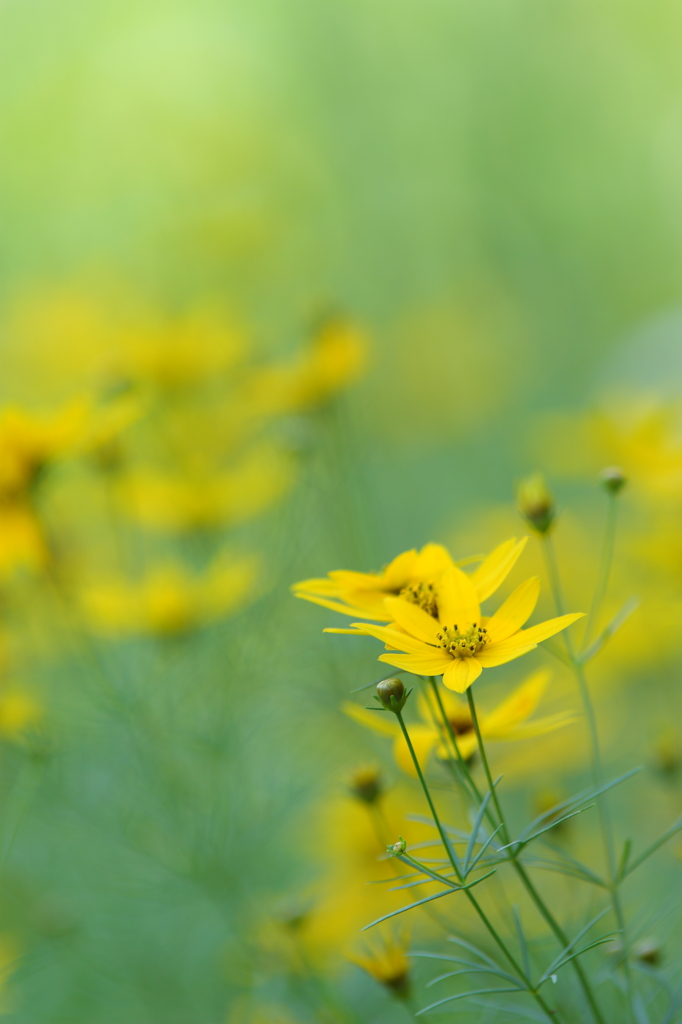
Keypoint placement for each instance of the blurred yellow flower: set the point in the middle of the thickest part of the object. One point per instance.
(385, 960)
(171, 600)
(198, 501)
(460, 642)
(508, 721)
(18, 712)
(30, 443)
(335, 358)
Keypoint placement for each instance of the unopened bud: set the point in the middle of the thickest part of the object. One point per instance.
(392, 695)
(536, 502)
(366, 785)
(648, 950)
(395, 849)
(613, 479)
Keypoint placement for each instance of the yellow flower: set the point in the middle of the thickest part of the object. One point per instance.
(206, 500)
(460, 642)
(29, 443)
(169, 600)
(18, 712)
(386, 961)
(411, 576)
(508, 721)
(335, 357)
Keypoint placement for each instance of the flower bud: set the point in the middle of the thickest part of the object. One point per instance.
(648, 951)
(395, 849)
(366, 785)
(392, 695)
(613, 479)
(536, 502)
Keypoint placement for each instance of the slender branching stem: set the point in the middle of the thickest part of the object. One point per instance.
(591, 718)
(512, 855)
(527, 983)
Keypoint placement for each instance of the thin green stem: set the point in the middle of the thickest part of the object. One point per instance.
(451, 734)
(604, 567)
(551, 1014)
(521, 871)
(597, 771)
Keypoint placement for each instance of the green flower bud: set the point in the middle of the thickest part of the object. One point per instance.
(536, 503)
(392, 695)
(613, 479)
(395, 849)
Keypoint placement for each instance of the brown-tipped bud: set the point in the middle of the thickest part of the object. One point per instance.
(536, 503)
(366, 785)
(392, 695)
(668, 752)
(648, 951)
(613, 479)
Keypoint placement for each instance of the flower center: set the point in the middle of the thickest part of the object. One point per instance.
(423, 595)
(463, 643)
(460, 725)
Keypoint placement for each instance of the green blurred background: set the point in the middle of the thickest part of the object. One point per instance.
(493, 190)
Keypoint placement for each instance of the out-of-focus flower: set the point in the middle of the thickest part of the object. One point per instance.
(108, 422)
(170, 600)
(19, 711)
(411, 576)
(386, 961)
(366, 784)
(190, 502)
(181, 352)
(30, 443)
(460, 643)
(508, 721)
(335, 357)
(536, 502)
(668, 751)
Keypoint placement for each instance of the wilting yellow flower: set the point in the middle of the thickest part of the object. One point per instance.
(186, 502)
(386, 961)
(508, 721)
(459, 643)
(170, 600)
(335, 357)
(411, 576)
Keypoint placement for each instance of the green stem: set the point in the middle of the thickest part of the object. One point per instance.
(521, 871)
(551, 1014)
(604, 567)
(450, 732)
(597, 771)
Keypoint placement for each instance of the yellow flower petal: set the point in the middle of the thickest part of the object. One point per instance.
(415, 663)
(432, 560)
(400, 571)
(457, 599)
(394, 639)
(496, 567)
(414, 620)
(335, 606)
(515, 611)
(519, 706)
(541, 726)
(507, 650)
(424, 738)
(461, 673)
(379, 721)
(543, 630)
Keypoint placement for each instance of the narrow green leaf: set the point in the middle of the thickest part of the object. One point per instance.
(474, 831)
(624, 857)
(571, 802)
(553, 824)
(592, 945)
(483, 849)
(463, 995)
(567, 949)
(427, 899)
(525, 956)
(654, 846)
(630, 606)
(466, 970)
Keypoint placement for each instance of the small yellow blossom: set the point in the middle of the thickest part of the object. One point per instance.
(411, 576)
(189, 502)
(508, 721)
(29, 443)
(170, 600)
(386, 961)
(18, 712)
(454, 639)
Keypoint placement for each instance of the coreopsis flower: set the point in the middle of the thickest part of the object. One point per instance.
(411, 576)
(171, 601)
(510, 720)
(386, 961)
(458, 642)
(175, 501)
